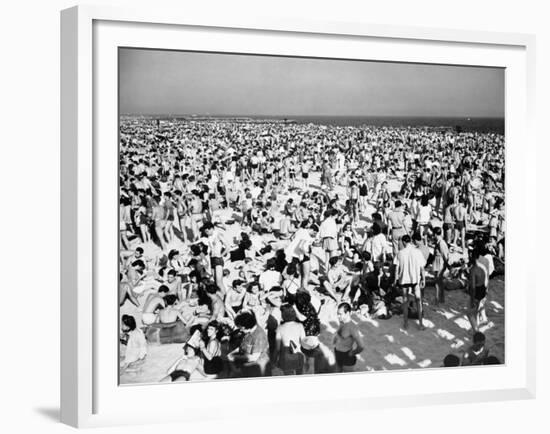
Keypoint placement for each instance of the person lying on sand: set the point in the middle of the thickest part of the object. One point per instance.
(184, 366)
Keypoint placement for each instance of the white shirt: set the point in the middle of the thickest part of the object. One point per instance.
(299, 246)
(269, 279)
(377, 247)
(328, 228)
(410, 262)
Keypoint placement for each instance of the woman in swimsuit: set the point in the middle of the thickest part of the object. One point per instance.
(211, 351)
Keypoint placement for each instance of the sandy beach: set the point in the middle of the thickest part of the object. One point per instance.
(387, 345)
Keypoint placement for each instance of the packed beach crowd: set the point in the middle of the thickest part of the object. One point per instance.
(242, 240)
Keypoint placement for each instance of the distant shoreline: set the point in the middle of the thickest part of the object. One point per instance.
(474, 124)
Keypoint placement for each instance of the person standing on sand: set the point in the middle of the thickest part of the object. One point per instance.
(440, 264)
(396, 222)
(478, 290)
(409, 276)
(347, 340)
(461, 220)
(216, 247)
(328, 232)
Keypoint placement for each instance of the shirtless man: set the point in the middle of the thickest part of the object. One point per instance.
(478, 290)
(337, 282)
(347, 342)
(461, 217)
(170, 313)
(234, 298)
(449, 224)
(218, 307)
(152, 304)
(217, 245)
(174, 284)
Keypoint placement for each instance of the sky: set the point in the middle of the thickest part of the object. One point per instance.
(179, 82)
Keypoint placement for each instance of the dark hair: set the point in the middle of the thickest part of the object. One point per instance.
(332, 261)
(288, 313)
(406, 239)
(207, 225)
(417, 236)
(346, 307)
(246, 320)
(292, 269)
(237, 282)
(302, 299)
(424, 200)
(211, 288)
(398, 203)
(138, 263)
(195, 249)
(139, 249)
(476, 253)
(172, 272)
(451, 360)
(163, 288)
(129, 321)
(437, 231)
(170, 299)
(270, 264)
(479, 338)
(173, 253)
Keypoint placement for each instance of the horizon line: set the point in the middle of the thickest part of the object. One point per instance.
(312, 116)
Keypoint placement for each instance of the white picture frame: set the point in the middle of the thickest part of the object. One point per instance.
(90, 37)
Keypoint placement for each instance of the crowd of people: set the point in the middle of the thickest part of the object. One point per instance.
(244, 236)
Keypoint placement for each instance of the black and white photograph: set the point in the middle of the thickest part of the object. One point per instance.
(307, 216)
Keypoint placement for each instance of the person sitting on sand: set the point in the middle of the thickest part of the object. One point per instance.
(173, 283)
(251, 357)
(210, 348)
(136, 345)
(170, 313)
(477, 353)
(126, 292)
(270, 277)
(153, 303)
(234, 298)
(184, 366)
(337, 282)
